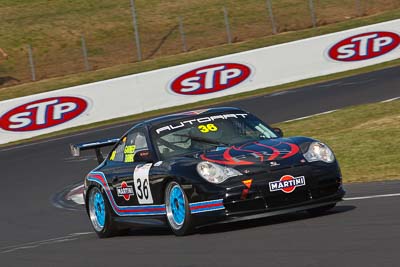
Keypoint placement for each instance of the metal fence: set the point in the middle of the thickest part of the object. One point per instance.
(156, 32)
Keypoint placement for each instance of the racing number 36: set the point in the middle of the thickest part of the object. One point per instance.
(207, 128)
(142, 185)
(142, 190)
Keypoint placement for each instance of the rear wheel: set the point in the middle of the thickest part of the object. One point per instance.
(178, 212)
(320, 210)
(100, 214)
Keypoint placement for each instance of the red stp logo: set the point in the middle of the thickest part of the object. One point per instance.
(42, 114)
(364, 46)
(210, 79)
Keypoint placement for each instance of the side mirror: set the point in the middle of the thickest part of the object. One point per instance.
(278, 132)
(143, 156)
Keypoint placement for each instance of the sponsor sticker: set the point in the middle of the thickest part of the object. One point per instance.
(158, 163)
(43, 113)
(129, 153)
(245, 192)
(287, 184)
(125, 191)
(274, 163)
(210, 79)
(208, 127)
(142, 184)
(364, 46)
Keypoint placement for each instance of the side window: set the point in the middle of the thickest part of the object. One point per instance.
(118, 153)
(131, 144)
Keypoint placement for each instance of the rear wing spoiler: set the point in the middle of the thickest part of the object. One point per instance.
(96, 145)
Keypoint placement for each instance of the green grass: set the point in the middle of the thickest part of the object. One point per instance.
(54, 29)
(365, 139)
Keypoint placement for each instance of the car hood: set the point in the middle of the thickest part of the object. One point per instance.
(272, 151)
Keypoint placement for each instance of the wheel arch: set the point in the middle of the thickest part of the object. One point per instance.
(90, 186)
(188, 186)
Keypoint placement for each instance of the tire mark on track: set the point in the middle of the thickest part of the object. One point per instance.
(35, 244)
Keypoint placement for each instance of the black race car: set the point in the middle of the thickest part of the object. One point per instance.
(203, 167)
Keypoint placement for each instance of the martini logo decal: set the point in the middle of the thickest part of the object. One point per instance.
(287, 184)
(125, 191)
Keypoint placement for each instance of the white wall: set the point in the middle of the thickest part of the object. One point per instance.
(147, 91)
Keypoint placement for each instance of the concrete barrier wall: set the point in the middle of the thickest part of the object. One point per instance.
(38, 114)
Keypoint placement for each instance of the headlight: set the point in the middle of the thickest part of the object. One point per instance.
(215, 173)
(319, 152)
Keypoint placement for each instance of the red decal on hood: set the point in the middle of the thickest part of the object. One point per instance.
(293, 150)
(226, 158)
(275, 152)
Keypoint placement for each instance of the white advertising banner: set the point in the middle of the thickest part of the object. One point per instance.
(38, 114)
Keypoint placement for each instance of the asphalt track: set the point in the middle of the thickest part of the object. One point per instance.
(358, 232)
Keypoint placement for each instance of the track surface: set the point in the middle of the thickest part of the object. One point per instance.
(356, 233)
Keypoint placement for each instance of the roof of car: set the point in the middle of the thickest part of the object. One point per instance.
(188, 114)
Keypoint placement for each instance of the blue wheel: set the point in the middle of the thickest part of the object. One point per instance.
(177, 207)
(99, 213)
(97, 209)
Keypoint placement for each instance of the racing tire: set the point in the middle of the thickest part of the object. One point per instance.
(177, 208)
(100, 214)
(320, 210)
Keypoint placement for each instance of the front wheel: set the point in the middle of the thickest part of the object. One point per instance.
(100, 214)
(178, 212)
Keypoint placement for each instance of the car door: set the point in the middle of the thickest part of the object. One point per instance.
(128, 172)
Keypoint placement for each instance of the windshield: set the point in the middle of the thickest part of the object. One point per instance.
(212, 132)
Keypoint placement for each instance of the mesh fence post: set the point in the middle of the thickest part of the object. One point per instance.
(228, 29)
(271, 16)
(85, 53)
(183, 37)
(312, 11)
(136, 29)
(31, 63)
(360, 10)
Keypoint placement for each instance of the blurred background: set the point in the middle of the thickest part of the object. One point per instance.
(50, 38)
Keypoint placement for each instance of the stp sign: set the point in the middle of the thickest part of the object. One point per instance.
(364, 46)
(43, 113)
(210, 79)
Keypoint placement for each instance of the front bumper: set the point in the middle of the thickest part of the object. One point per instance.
(257, 214)
(323, 187)
(226, 216)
